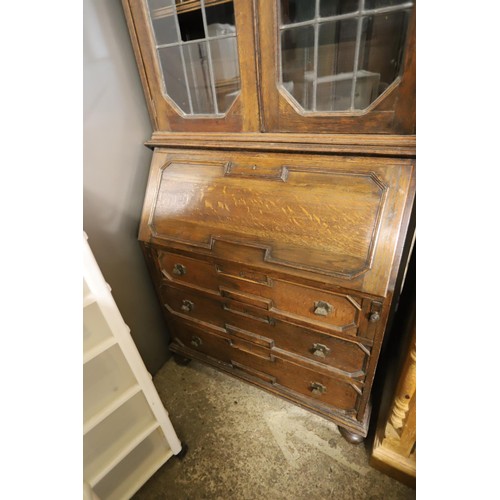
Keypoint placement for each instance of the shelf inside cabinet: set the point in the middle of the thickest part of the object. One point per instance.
(132, 472)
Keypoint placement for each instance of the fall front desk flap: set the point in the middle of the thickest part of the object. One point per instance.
(331, 219)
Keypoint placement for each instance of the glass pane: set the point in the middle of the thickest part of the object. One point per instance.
(335, 7)
(165, 30)
(381, 54)
(191, 25)
(198, 80)
(226, 71)
(295, 11)
(222, 14)
(336, 53)
(297, 61)
(198, 75)
(173, 76)
(155, 5)
(334, 94)
(163, 19)
(336, 47)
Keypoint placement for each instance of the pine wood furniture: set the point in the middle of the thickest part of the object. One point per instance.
(281, 187)
(394, 447)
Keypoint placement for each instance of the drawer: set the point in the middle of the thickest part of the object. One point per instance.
(242, 321)
(258, 363)
(340, 311)
(333, 219)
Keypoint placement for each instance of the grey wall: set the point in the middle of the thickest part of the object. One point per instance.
(115, 169)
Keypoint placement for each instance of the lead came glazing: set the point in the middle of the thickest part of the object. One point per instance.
(197, 53)
(341, 55)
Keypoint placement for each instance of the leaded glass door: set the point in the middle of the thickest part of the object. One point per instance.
(199, 63)
(338, 66)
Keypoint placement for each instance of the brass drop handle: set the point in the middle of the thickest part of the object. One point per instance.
(179, 270)
(322, 308)
(187, 305)
(196, 341)
(374, 317)
(320, 350)
(317, 388)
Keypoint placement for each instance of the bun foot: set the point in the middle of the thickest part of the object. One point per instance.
(351, 437)
(180, 360)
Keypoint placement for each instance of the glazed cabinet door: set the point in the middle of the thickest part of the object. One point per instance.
(337, 66)
(197, 63)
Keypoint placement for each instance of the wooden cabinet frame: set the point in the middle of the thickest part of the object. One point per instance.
(237, 191)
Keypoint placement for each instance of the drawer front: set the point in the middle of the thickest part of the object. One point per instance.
(340, 311)
(241, 321)
(329, 218)
(260, 363)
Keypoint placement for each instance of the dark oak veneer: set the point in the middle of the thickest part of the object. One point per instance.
(277, 239)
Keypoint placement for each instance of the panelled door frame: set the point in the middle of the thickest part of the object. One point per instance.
(391, 113)
(243, 115)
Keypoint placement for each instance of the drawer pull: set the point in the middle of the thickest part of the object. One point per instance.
(187, 305)
(179, 270)
(317, 388)
(322, 308)
(320, 350)
(374, 317)
(196, 341)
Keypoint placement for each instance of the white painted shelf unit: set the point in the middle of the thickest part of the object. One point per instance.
(127, 434)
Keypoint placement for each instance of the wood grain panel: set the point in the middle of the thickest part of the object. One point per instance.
(334, 217)
(364, 144)
(319, 213)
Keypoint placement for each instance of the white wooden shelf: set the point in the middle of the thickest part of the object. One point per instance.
(135, 469)
(95, 327)
(88, 298)
(127, 434)
(105, 379)
(107, 410)
(93, 352)
(98, 470)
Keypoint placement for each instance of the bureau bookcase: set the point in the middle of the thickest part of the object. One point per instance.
(279, 203)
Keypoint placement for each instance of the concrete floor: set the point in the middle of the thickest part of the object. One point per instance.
(244, 443)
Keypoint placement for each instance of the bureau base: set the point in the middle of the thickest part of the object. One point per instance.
(353, 431)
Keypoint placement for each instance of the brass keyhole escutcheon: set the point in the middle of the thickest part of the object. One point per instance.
(179, 270)
(322, 308)
(187, 305)
(320, 350)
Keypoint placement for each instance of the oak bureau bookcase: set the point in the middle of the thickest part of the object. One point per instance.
(278, 207)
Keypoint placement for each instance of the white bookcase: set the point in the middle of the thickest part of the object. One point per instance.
(127, 434)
